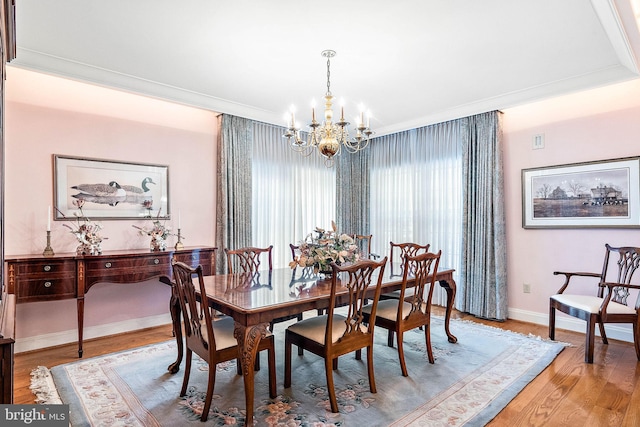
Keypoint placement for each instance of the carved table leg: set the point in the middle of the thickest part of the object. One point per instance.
(449, 285)
(248, 340)
(176, 315)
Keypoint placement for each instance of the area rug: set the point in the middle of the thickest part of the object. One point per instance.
(469, 384)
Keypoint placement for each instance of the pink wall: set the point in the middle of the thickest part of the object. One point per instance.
(593, 125)
(47, 115)
(71, 118)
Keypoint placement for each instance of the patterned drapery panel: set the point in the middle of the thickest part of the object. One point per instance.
(483, 292)
(352, 192)
(233, 209)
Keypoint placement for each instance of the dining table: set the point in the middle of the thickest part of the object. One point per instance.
(254, 300)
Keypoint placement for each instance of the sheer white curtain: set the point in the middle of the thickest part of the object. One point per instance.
(291, 194)
(416, 192)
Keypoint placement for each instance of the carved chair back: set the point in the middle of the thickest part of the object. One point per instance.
(423, 268)
(295, 251)
(198, 333)
(620, 269)
(356, 278)
(248, 259)
(405, 250)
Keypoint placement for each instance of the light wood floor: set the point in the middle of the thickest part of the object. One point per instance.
(568, 393)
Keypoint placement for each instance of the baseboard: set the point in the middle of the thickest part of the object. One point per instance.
(70, 336)
(616, 332)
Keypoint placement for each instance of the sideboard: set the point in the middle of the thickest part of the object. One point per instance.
(37, 278)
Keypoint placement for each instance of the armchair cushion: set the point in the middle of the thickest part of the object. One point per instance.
(592, 304)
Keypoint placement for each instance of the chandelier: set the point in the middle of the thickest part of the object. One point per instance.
(328, 137)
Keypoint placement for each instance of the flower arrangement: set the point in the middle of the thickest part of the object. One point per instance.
(326, 247)
(86, 231)
(158, 233)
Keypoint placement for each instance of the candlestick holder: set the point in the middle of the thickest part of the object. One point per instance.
(179, 244)
(48, 251)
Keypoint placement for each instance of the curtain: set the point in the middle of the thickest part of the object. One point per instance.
(416, 192)
(291, 194)
(352, 192)
(233, 209)
(483, 292)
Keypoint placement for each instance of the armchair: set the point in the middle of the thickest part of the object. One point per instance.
(609, 304)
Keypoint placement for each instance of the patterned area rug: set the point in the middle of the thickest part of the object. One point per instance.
(470, 382)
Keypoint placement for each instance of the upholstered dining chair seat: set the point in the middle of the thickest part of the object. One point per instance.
(223, 331)
(388, 309)
(590, 304)
(314, 328)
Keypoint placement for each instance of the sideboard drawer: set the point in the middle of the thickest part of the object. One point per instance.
(45, 267)
(127, 269)
(42, 280)
(46, 289)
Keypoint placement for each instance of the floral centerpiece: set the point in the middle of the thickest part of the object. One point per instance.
(86, 231)
(325, 247)
(159, 233)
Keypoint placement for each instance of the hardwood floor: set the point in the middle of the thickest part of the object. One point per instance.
(568, 393)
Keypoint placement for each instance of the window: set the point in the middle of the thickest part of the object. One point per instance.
(291, 194)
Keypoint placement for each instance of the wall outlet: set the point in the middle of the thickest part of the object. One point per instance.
(526, 288)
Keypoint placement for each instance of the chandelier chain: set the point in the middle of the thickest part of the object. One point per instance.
(328, 75)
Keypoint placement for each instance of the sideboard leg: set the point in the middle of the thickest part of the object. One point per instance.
(80, 324)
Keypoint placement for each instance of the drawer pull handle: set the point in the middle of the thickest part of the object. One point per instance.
(108, 265)
(47, 284)
(156, 261)
(47, 268)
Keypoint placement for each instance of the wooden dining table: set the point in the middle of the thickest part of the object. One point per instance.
(254, 300)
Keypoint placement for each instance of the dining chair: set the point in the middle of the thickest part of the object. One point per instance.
(295, 251)
(248, 259)
(212, 340)
(608, 303)
(363, 241)
(332, 335)
(409, 311)
(403, 250)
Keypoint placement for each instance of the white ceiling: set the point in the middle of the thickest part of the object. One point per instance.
(411, 62)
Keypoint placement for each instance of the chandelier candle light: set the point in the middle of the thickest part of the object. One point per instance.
(328, 137)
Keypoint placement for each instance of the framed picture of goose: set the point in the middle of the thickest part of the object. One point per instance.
(109, 189)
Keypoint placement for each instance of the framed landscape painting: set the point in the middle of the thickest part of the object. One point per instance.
(109, 189)
(592, 194)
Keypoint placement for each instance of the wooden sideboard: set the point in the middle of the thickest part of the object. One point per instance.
(37, 278)
(7, 334)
